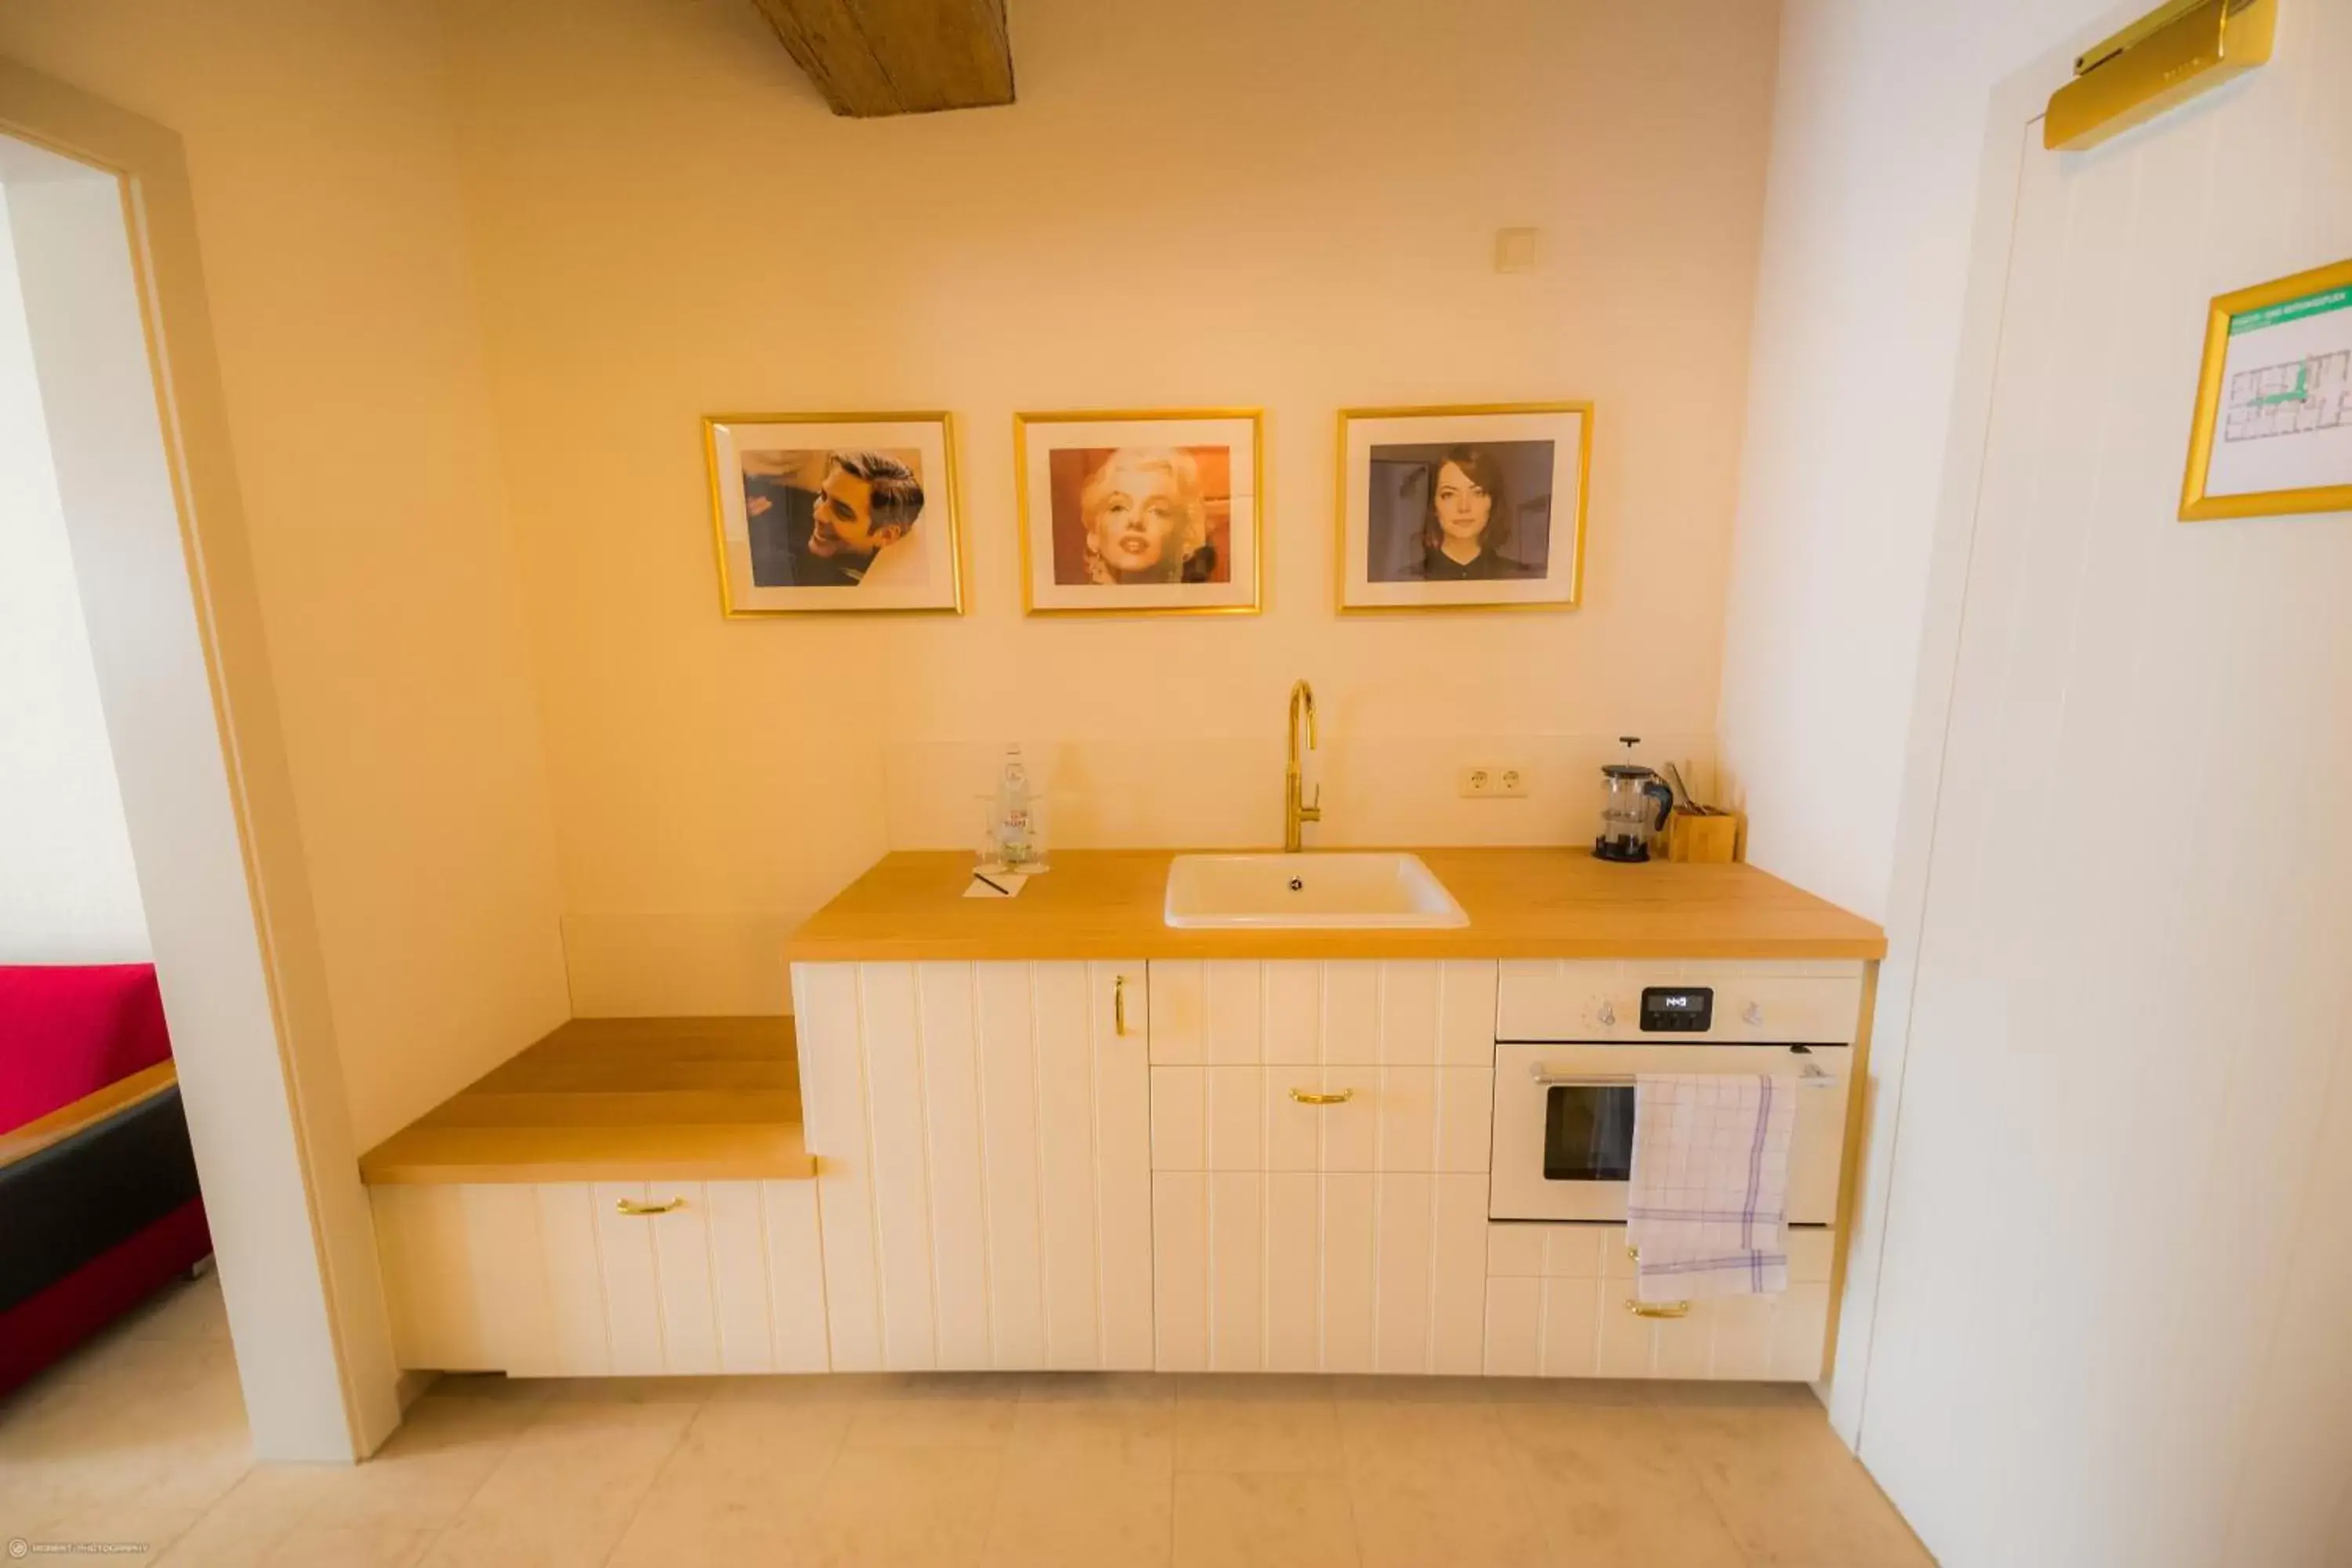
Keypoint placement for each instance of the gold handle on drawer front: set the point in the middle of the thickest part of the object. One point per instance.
(1308, 1097)
(1659, 1308)
(631, 1206)
(1118, 1006)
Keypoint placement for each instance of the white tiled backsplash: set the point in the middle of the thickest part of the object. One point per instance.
(1227, 792)
(1208, 794)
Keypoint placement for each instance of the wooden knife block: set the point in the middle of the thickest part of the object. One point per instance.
(1705, 840)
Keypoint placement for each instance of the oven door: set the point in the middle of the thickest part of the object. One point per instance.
(1564, 1123)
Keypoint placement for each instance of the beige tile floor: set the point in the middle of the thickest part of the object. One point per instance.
(142, 1439)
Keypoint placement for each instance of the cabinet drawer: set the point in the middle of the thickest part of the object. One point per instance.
(1301, 1013)
(1295, 1271)
(1755, 1003)
(1400, 1119)
(553, 1279)
(1557, 1306)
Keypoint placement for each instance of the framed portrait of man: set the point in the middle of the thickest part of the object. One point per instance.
(833, 512)
(1463, 508)
(1156, 512)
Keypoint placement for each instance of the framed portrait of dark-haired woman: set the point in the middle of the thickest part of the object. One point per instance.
(1479, 507)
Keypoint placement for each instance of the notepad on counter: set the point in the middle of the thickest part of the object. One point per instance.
(996, 884)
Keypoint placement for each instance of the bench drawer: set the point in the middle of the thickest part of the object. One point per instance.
(555, 1279)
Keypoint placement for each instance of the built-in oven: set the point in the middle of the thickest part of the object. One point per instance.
(1564, 1111)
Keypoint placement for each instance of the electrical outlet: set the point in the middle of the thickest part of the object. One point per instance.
(1485, 780)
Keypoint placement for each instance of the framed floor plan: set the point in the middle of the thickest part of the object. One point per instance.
(2273, 431)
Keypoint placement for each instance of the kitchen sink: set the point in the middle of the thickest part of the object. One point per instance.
(1369, 891)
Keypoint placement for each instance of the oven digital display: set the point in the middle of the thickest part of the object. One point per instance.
(1677, 1009)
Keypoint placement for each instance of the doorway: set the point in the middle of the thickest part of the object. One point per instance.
(103, 241)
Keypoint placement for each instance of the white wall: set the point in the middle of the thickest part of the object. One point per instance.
(1876, 134)
(340, 284)
(68, 893)
(1218, 202)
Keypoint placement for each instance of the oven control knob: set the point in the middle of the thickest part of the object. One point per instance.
(1608, 1014)
(1755, 1013)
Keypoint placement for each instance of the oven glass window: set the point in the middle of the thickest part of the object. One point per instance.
(1588, 1134)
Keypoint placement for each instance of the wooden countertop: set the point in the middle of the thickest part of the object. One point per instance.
(619, 1099)
(1522, 903)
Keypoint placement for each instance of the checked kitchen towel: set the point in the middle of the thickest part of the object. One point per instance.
(1709, 1192)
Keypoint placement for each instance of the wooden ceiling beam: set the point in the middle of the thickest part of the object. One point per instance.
(872, 57)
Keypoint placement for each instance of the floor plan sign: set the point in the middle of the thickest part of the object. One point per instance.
(2275, 417)
(2312, 394)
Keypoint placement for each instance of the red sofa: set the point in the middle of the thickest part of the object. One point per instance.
(98, 1184)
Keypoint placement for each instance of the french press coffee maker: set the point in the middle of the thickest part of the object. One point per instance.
(1637, 806)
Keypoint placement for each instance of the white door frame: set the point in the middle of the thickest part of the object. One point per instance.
(105, 233)
(2017, 104)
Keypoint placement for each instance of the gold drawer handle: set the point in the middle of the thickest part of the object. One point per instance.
(1118, 1006)
(1308, 1097)
(1659, 1308)
(631, 1206)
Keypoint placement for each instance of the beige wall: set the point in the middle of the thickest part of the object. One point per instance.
(1195, 202)
(335, 250)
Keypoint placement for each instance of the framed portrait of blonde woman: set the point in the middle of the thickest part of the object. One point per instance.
(1158, 511)
(1478, 507)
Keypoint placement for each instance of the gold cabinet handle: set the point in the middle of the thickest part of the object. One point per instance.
(631, 1206)
(1118, 1006)
(1659, 1308)
(1308, 1097)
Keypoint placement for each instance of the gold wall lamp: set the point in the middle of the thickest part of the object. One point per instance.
(2173, 54)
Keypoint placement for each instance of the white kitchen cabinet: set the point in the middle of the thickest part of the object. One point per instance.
(1307, 1271)
(1344, 1235)
(983, 1135)
(552, 1279)
(1557, 1306)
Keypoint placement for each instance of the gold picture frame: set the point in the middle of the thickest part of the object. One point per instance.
(1244, 591)
(1356, 590)
(2309, 316)
(939, 591)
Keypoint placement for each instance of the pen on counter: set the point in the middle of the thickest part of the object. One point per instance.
(1000, 887)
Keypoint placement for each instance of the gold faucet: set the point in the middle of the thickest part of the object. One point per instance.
(1298, 812)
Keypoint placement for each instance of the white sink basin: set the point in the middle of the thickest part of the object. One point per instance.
(1373, 891)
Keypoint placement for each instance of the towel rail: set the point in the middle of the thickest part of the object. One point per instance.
(1813, 1075)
